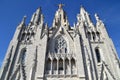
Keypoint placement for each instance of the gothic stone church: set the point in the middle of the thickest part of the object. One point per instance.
(61, 52)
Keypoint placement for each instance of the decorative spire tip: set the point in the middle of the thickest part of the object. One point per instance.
(60, 6)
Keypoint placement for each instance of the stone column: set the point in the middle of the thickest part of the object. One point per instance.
(51, 67)
(57, 66)
(70, 67)
(64, 67)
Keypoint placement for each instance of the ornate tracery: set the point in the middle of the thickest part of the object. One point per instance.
(60, 45)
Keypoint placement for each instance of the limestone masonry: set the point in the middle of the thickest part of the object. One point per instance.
(61, 52)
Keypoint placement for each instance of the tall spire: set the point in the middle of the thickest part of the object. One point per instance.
(33, 17)
(60, 18)
(36, 16)
(38, 10)
(86, 18)
(22, 23)
(23, 20)
(83, 12)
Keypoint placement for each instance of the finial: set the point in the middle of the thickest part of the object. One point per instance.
(97, 17)
(82, 10)
(23, 20)
(60, 6)
(99, 21)
(39, 9)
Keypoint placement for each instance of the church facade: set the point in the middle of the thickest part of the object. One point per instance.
(61, 52)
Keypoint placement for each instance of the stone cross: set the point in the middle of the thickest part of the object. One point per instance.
(60, 6)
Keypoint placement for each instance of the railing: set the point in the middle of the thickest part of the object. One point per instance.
(61, 55)
(48, 71)
(55, 72)
(61, 72)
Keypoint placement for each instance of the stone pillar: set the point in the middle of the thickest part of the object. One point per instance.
(57, 66)
(41, 56)
(91, 37)
(89, 69)
(64, 67)
(79, 57)
(70, 66)
(51, 67)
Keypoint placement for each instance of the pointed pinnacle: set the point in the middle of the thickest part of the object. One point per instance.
(23, 20)
(82, 9)
(46, 26)
(38, 10)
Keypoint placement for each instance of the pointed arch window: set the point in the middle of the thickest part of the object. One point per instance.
(60, 67)
(98, 34)
(23, 36)
(60, 45)
(93, 34)
(23, 56)
(89, 35)
(97, 51)
(54, 64)
(73, 66)
(60, 64)
(67, 66)
(48, 64)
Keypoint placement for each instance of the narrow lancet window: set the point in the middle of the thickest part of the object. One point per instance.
(93, 34)
(89, 35)
(98, 55)
(73, 66)
(60, 66)
(98, 34)
(54, 64)
(23, 36)
(67, 66)
(23, 56)
(48, 64)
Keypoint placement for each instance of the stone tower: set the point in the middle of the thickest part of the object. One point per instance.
(61, 52)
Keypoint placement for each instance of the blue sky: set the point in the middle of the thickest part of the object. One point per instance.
(12, 12)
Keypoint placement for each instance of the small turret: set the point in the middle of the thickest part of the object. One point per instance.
(33, 17)
(42, 18)
(86, 18)
(101, 27)
(85, 15)
(99, 22)
(36, 17)
(83, 12)
(19, 29)
(23, 20)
